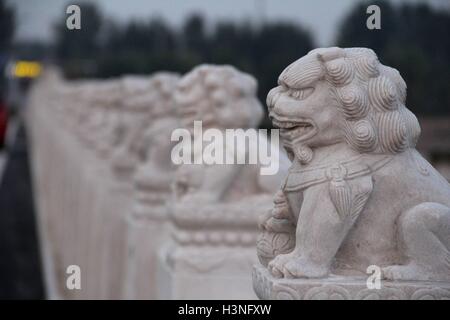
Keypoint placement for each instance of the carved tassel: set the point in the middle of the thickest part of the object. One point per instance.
(341, 196)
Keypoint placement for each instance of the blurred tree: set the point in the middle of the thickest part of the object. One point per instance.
(138, 47)
(414, 39)
(75, 47)
(193, 38)
(6, 26)
(263, 52)
(7, 23)
(278, 45)
(145, 47)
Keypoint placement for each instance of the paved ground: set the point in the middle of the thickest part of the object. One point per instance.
(20, 267)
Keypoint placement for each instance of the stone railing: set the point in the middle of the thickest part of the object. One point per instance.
(111, 202)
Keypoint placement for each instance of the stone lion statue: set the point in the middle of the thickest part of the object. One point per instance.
(146, 101)
(150, 141)
(222, 97)
(215, 206)
(101, 115)
(357, 193)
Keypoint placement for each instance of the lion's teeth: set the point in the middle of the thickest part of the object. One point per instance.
(292, 125)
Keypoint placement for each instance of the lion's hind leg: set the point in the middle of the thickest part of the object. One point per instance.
(425, 232)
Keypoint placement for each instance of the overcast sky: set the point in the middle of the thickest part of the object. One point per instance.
(35, 17)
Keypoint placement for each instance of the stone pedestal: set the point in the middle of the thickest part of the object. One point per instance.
(117, 202)
(344, 288)
(206, 272)
(211, 252)
(146, 233)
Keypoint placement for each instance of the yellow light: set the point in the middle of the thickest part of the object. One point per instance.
(26, 69)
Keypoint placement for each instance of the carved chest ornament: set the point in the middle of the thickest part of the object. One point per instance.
(348, 199)
(335, 173)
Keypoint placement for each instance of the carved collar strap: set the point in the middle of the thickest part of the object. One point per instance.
(300, 179)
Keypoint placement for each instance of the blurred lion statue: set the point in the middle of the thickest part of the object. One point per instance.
(357, 193)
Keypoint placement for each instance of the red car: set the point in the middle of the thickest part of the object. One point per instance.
(3, 122)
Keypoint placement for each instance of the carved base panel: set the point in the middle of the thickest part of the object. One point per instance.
(343, 288)
(204, 272)
(145, 235)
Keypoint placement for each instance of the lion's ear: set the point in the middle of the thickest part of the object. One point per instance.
(329, 54)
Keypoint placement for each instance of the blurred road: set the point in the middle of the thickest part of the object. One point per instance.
(20, 268)
(2, 163)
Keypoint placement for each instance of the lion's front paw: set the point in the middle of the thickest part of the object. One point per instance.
(292, 266)
(276, 266)
(300, 268)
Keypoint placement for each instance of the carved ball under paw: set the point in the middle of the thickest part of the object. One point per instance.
(271, 244)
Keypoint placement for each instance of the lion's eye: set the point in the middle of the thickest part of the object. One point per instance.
(300, 94)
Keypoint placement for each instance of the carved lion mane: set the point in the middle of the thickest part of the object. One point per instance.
(219, 95)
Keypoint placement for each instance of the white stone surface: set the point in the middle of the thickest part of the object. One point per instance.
(357, 193)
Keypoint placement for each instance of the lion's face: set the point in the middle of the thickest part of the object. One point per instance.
(334, 95)
(307, 116)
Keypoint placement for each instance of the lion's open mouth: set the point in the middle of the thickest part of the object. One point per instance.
(295, 130)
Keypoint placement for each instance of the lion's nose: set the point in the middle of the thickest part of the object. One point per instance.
(278, 109)
(272, 97)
